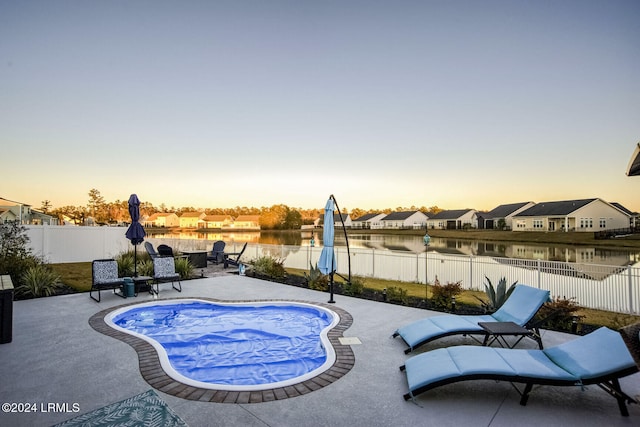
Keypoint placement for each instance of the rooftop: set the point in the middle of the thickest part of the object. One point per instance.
(56, 356)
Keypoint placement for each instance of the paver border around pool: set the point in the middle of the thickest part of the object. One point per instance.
(152, 371)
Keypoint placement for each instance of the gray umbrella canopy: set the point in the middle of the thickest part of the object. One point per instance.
(135, 232)
(327, 262)
(634, 164)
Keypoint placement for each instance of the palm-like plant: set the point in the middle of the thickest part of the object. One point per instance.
(39, 281)
(498, 295)
(316, 280)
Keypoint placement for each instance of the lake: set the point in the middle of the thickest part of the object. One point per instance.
(564, 253)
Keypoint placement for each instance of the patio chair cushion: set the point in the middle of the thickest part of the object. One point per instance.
(522, 305)
(519, 308)
(599, 353)
(598, 358)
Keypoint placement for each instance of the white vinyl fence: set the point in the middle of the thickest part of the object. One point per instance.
(595, 286)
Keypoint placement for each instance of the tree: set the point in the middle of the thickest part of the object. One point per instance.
(97, 206)
(46, 205)
(15, 255)
(275, 217)
(293, 220)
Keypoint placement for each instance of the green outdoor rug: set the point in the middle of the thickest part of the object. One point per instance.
(146, 409)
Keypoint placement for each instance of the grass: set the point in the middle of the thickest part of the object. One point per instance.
(591, 316)
(77, 275)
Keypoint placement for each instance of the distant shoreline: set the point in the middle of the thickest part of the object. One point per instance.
(531, 237)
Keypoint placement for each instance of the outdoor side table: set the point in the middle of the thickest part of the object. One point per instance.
(6, 309)
(497, 331)
(197, 258)
(141, 280)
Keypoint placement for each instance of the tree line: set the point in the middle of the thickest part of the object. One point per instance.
(275, 217)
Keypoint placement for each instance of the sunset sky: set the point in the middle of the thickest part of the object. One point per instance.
(459, 104)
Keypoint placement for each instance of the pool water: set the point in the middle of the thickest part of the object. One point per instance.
(239, 346)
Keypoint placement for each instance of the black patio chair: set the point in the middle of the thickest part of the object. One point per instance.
(151, 250)
(217, 252)
(234, 257)
(165, 250)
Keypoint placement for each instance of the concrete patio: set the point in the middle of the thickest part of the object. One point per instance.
(57, 357)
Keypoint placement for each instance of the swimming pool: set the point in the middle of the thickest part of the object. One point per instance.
(233, 346)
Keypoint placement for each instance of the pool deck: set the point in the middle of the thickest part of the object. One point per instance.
(57, 357)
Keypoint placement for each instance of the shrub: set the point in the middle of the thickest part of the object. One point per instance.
(355, 288)
(145, 267)
(15, 257)
(443, 294)
(559, 313)
(125, 264)
(316, 279)
(269, 266)
(497, 296)
(38, 281)
(184, 267)
(395, 294)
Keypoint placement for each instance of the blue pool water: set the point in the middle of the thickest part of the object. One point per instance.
(233, 346)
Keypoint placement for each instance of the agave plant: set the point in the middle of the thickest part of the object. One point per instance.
(316, 280)
(498, 295)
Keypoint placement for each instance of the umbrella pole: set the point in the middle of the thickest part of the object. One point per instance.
(346, 238)
(331, 301)
(135, 260)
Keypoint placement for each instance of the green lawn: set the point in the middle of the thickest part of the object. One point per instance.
(78, 276)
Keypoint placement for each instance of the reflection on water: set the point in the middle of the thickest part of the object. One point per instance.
(579, 254)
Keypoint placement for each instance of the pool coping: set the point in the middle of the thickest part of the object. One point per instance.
(152, 371)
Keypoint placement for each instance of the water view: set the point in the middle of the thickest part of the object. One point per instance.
(564, 253)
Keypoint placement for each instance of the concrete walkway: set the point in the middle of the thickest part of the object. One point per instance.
(56, 357)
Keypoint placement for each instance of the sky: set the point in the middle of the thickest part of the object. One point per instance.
(455, 104)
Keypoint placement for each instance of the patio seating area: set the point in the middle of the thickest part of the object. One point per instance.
(57, 357)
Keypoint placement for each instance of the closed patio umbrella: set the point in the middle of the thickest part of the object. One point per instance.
(135, 232)
(327, 262)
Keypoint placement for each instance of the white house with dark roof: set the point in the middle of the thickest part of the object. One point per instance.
(346, 218)
(406, 219)
(370, 221)
(587, 215)
(23, 213)
(454, 219)
(503, 213)
(634, 217)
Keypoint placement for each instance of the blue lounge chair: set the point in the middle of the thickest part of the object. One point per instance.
(519, 308)
(598, 358)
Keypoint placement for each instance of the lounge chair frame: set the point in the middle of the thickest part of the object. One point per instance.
(472, 328)
(608, 382)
